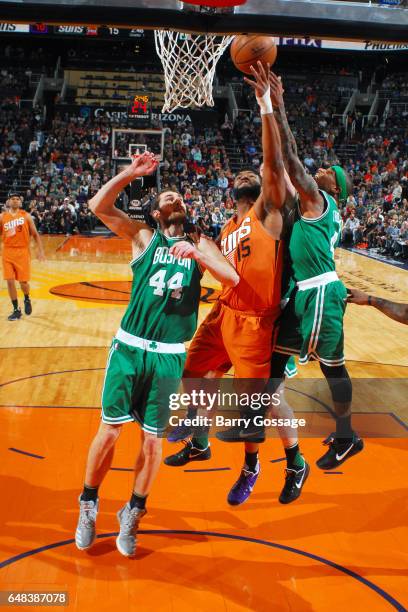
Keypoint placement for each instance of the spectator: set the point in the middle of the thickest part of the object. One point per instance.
(350, 229)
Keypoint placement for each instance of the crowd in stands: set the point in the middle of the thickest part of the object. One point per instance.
(72, 159)
(18, 128)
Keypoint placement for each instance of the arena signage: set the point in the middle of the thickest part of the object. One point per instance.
(341, 45)
(206, 118)
(12, 28)
(172, 117)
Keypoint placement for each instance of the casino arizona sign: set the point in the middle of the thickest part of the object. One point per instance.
(164, 117)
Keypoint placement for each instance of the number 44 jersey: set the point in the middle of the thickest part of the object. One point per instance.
(165, 294)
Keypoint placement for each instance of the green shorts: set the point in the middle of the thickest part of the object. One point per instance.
(137, 386)
(290, 369)
(311, 325)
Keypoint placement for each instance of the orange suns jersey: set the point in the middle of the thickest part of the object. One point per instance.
(15, 230)
(258, 259)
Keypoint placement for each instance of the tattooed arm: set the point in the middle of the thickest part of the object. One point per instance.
(393, 310)
(310, 198)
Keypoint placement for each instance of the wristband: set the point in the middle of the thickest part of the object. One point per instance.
(265, 103)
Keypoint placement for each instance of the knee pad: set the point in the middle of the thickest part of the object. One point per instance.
(339, 383)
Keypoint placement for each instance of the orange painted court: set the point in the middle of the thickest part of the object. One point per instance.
(343, 541)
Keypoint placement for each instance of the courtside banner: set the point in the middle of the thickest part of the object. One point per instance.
(341, 45)
(300, 407)
(305, 41)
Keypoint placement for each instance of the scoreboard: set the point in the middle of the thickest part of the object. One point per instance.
(81, 31)
(140, 108)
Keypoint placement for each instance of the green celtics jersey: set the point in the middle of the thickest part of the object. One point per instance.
(165, 294)
(313, 241)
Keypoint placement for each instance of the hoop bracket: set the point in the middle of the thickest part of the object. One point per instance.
(215, 3)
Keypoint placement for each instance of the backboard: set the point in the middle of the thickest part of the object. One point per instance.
(126, 142)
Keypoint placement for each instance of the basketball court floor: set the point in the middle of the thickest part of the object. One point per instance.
(342, 545)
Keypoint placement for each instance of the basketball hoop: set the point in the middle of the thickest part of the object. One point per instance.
(189, 62)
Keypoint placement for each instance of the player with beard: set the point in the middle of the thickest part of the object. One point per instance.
(239, 329)
(149, 345)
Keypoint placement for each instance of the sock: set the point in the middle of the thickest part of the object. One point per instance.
(294, 459)
(344, 432)
(251, 459)
(191, 412)
(26, 297)
(89, 494)
(15, 304)
(200, 442)
(138, 501)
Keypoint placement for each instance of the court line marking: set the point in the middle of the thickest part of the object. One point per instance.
(396, 417)
(368, 583)
(222, 469)
(10, 382)
(106, 346)
(82, 346)
(87, 299)
(90, 284)
(118, 469)
(325, 406)
(62, 243)
(50, 407)
(17, 450)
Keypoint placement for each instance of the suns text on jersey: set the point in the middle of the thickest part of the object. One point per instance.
(230, 242)
(14, 223)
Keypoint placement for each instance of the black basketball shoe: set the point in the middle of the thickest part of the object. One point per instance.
(15, 315)
(294, 481)
(338, 452)
(187, 454)
(28, 309)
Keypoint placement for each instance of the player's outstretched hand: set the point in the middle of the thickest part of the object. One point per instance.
(355, 296)
(261, 83)
(276, 89)
(142, 165)
(41, 257)
(185, 250)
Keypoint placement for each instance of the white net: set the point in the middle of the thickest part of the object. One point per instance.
(189, 62)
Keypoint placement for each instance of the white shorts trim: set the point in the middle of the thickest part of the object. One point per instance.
(318, 281)
(149, 345)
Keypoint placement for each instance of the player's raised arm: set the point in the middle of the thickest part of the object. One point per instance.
(273, 180)
(304, 184)
(37, 238)
(103, 203)
(207, 254)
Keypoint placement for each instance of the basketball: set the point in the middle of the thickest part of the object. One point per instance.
(247, 50)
